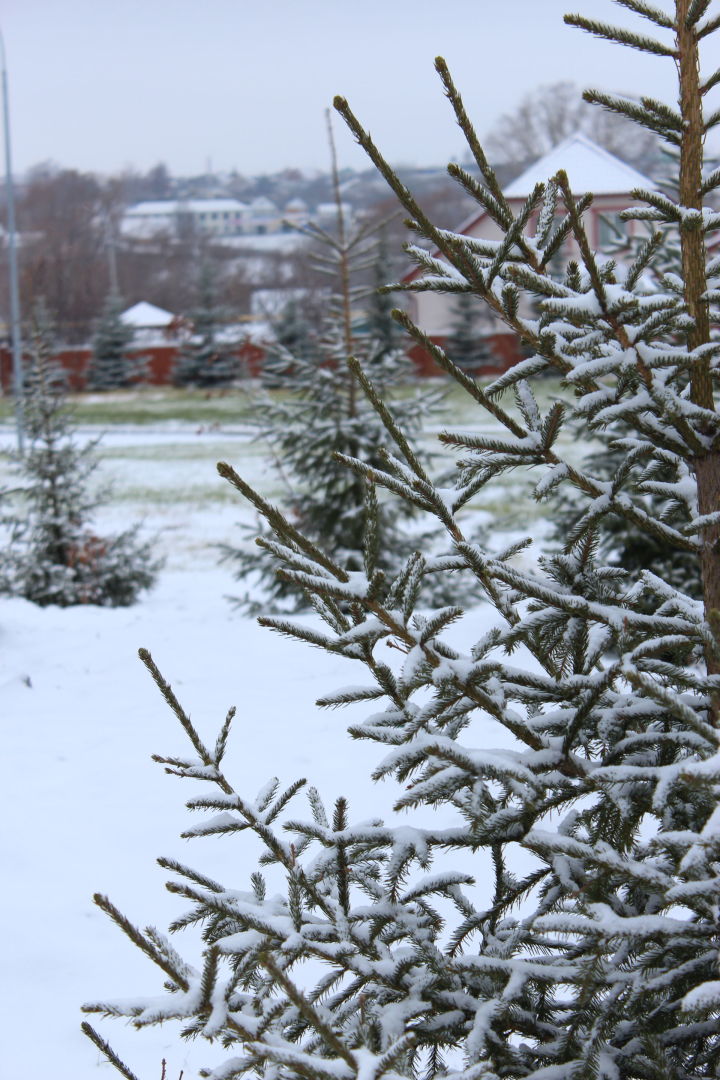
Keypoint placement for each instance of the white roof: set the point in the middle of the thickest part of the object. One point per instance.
(170, 207)
(589, 168)
(146, 315)
(201, 206)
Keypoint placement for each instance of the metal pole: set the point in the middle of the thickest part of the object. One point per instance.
(112, 257)
(12, 264)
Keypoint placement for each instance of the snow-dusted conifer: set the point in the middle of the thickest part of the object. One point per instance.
(566, 765)
(205, 360)
(51, 554)
(110, 366)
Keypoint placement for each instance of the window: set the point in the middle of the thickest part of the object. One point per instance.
(611, 230)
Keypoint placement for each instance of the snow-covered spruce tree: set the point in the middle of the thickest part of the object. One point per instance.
(578, 776)
(320, 415)
(110, 366)
(51, 555)
(205, 360)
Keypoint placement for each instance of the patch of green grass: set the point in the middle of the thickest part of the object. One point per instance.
(193, 451)
(154, 405)
(194, 496)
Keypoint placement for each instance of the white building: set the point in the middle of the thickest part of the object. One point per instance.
(296, 213)
(180, 217)
(262, 216)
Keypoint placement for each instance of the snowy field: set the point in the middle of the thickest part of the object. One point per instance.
(85, 809)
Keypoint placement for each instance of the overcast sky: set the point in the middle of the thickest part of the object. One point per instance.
(106, 84)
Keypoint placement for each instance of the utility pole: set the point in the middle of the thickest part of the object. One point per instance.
(12, 264)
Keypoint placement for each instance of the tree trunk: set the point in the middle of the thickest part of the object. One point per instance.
(692, 239)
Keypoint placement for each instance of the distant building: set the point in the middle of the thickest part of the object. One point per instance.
(262, 216)
(181, 217)
(295, 214)
(145, 316)
(149, 323)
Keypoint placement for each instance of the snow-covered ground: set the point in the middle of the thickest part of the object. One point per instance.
(85, 809)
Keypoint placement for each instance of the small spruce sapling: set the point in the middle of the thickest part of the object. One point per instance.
(316, 416)
(567, 791)
(51, 554)
(110, 366)
(205, 360)
(294, 332)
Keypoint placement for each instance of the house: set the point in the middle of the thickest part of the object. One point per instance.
(148, 319)
(590, 168)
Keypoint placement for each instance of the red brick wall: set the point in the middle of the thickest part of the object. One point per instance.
(159, 362)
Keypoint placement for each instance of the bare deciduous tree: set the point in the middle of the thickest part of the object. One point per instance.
(551, 113)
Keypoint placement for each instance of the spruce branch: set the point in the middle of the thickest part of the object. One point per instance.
(200, 879)
(575, 211)
(402, 192)
(708, 28)
(649, 11)
(386, 416)
(514, 237)
(505, 214)
(279, 522)
(465, 381)
(712, 121)
(476, 191)
(696, 10)
(176, 976)
(222, 738)
(308, 1011)
(710, 82)
(105, 1048)
(653, 115)
(188, 727)
(620, 36)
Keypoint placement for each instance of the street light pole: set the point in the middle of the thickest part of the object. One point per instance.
(12, 264)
